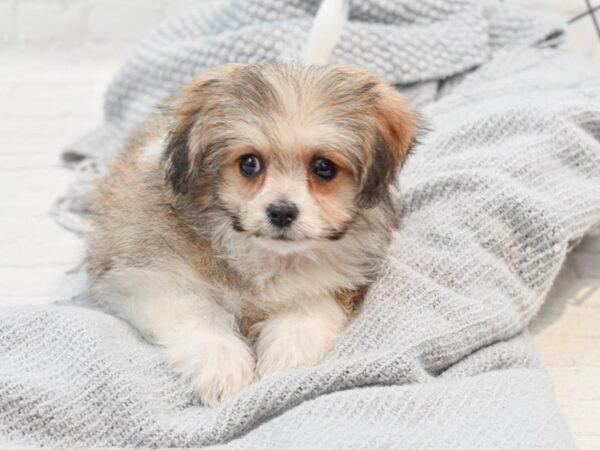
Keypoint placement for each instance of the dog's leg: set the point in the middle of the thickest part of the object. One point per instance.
(209, 353)
(200, 339)
(299, 336)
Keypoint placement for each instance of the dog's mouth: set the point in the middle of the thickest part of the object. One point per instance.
(286, 235)
(283, 244)
(270, 235)
(280, 236)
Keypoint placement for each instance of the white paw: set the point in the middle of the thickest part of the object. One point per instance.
(216, 365)
(294, 340)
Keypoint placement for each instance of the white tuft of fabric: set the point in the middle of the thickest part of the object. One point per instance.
(325, 31)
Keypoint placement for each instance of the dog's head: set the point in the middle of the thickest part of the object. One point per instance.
(287, 153)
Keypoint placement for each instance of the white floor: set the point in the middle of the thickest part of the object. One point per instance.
(49, 99)
(44, 105)
(567, 332)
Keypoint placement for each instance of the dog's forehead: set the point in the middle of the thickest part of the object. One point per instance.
(294, 107)
(294, 90)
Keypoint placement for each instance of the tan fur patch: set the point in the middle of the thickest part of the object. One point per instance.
(350, 300)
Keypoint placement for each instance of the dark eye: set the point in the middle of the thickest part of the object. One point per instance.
(250, 165)
(324, 168)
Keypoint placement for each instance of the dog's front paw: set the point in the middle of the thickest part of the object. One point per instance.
(292, 340)
(216, 365)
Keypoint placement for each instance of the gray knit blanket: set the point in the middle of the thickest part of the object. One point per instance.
(438, 356)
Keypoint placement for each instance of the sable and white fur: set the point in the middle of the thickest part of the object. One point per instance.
(182, 246)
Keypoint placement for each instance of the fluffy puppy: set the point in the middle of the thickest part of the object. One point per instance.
(240, 225)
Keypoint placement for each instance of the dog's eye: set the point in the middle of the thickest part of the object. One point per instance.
(250, 165)
(324, 168)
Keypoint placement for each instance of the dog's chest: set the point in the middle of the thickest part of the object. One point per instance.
(276, 283)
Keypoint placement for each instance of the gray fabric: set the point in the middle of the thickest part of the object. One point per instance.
(437, 357)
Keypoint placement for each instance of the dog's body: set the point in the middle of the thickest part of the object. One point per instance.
(243, 223)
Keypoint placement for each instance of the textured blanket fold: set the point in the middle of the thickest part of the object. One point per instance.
(438, 355)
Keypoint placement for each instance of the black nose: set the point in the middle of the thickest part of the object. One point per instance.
(282, 214)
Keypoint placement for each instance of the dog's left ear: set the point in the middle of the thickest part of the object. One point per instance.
(397, 128)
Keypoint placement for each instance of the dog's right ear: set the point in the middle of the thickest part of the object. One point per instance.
(187, 140)
(177, 157)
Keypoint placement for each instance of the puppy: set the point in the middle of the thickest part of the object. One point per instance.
(240, 225)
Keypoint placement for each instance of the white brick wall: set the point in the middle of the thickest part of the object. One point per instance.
(99, 27)
(108, 28)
